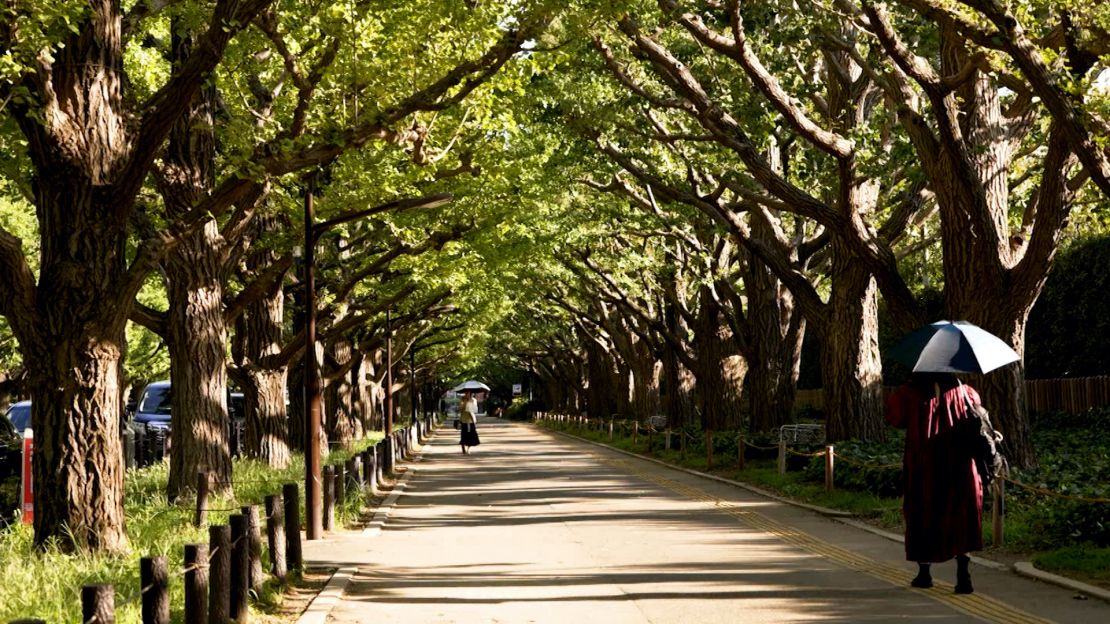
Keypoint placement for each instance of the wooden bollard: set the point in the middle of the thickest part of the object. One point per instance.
(255, 576)
(708, 449)
(240, 567)
(291, 499)
(379, 461)
(98, 604)
(385, 456)
(219, 573)
(782, 456)
(354, 473)
(340, 486)
(202, 499)
(740, 450)
(329, 497)
(196, 584)
(275, 536)
(154, 579)
(830, 457)
(369, 466)
(998, 512)
(667, 439)
(610, 430)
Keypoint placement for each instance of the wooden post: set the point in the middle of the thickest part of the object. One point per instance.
(98, 604)
(329, 497)
(370, 465)
(202, 499)
(255, 576)
(782, 455)
(740, 450)
(290, 497)
(340, 486)
(610, 429)
(240, 567)
(667, 439)
(219, 573)
(830, 457)
(196, 584)
(354, 474)
(708, 449)
(154, 580)
(635, 432)
(998, 512)
(275, 536)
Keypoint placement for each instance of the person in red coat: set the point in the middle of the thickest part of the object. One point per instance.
(942, 493)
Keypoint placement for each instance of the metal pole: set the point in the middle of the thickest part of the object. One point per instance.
(531, 376)
(412, 380)
(314, 527)
(388, 373)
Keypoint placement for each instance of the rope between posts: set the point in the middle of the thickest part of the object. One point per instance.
(793, 452)
(1047, 492)
(761, 448)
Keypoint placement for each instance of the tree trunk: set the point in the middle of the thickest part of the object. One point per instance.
(195, 271)
(851, 367)
(775, 333)
(258, 338)
(197, 340)
(78, 460)
(720, 372)
(340, 415)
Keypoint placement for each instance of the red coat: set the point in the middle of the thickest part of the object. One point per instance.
(942, 494)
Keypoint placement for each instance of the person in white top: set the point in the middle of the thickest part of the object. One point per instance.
(468, 416)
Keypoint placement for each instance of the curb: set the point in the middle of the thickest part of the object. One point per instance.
(1026, 569)
(319, 608)
(1021, 568)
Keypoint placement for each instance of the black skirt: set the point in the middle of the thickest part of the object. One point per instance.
(469, 434)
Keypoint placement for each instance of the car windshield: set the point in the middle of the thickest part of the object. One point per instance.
(20, 415)
(156, 400)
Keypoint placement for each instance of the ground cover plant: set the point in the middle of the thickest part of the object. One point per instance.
(154, 527)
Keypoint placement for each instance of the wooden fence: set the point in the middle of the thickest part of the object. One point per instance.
(1071, 396)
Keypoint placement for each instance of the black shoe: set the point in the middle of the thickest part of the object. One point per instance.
(963, 586)
(922, 581)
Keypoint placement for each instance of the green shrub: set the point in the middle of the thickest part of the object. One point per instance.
(874, 476)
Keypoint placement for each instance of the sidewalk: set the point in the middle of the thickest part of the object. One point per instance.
(534, 527)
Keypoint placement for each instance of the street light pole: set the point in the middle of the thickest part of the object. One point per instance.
(314, 520)
(388, 373)
(312, 387)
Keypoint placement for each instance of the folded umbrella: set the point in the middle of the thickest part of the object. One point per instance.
(953, 347)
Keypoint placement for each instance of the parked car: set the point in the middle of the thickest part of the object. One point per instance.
(11, 459)
(19, 415)
(153, 409)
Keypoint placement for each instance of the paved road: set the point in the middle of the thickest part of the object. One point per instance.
(535, 527)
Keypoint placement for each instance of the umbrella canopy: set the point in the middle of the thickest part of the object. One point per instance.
(474, 386)
(953, 347)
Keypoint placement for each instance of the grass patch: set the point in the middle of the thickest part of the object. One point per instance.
(1092, 562)
(154, 527)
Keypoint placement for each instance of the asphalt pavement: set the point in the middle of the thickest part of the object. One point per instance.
(537, 527)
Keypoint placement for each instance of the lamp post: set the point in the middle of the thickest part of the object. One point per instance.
(314, 521)
(412, 381)
(387, 422)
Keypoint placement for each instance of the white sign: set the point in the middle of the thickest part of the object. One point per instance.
(518, 389)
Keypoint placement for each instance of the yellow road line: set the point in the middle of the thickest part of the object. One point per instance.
(977, 605)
